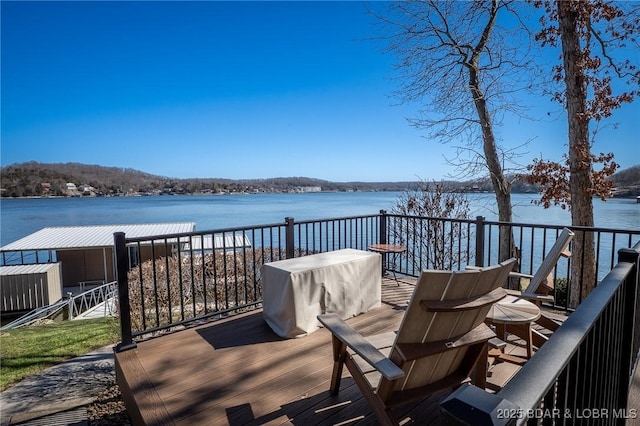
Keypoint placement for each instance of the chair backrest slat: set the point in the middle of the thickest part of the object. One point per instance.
(559, 248)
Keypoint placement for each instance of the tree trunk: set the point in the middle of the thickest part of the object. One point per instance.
(501, 186)
(583, 273)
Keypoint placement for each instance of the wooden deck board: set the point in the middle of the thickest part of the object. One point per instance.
(236, 371)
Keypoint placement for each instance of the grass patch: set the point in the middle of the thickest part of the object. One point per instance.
(28, 350)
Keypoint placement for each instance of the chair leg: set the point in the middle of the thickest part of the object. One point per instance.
(528, 331)
(538, 339)
(501, 332)
(339, 356)
(393, 266)
(480, 378)
(523, 331)
(547, 323)
(474, 365)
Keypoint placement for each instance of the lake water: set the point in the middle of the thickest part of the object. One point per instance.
(20, 217)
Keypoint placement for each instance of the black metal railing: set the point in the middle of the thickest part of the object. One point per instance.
(171, 280)
(437, 243)
(168, 281)
(317, 236)
(582, 375)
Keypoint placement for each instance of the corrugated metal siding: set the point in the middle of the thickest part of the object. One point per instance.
(40, 268)
(68, 237)
(26, 287)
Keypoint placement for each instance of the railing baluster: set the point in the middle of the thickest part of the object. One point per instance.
(203, 271)
(143, 309)
(180, 280)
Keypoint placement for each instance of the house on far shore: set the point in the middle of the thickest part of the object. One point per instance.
(45, 188)
(55, 261)
(87, 190)
(71, 190)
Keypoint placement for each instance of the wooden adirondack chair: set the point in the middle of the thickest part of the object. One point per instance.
(538, 290)
(541, 283)
(441, 340)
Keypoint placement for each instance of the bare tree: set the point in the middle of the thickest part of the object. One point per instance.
(466, 72)
(430, 225)
(588, 32)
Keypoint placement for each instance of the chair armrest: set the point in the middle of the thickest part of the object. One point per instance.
(453, 305)
(412, 351)
(531, 297)
(520, 275)
(347, 335)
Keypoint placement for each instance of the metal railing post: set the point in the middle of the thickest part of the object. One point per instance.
(631, 330)
(383, 226)
(289, 237)
(71, 303)
(469, 405)
(480, 241)
(122, 267)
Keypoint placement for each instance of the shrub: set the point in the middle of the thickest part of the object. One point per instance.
(174, 289)
(435, 243)
(561, 287)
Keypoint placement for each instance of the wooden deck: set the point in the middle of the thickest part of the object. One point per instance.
(238, 372)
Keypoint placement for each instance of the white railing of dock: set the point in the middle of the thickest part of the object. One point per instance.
(102, 296)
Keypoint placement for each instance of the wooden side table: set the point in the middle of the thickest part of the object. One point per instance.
(385, 250)
(514, 313)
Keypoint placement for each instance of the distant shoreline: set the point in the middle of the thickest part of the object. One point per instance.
(74, 179)
(626, 195)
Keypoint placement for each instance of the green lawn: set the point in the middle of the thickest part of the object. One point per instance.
(29, 350)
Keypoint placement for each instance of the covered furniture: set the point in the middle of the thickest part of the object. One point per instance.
(295, 291)
(442, 339)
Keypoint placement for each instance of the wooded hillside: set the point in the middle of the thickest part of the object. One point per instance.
(38, 179)
(42, 179)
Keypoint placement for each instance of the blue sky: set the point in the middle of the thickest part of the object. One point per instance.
(230, 90)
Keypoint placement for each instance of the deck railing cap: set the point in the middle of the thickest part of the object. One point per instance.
(470, 405)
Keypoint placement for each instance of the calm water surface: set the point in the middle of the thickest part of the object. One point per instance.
(20, 217)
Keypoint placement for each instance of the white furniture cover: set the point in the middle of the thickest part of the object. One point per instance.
(295, 291)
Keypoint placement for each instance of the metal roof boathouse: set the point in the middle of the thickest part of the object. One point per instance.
(98, 236)
(84, 257)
